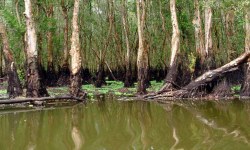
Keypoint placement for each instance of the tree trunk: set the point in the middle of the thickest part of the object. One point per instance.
(64, 70)
(65, 63)
(199, 40)
(50, 66)
(142, 57)
(14, 85)
(128, 76)
(17, 11)
(208, 32)
(76, 79)
(175, 46)
(101, 74)
(1, 61)
(245, 89)
(34, 86)
(40, 49)
(230, 33)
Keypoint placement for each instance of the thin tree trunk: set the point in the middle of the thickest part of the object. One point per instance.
(34, 86)
(66, 33)
(64, 70)
(1, 60)
(245, 89)
(76, 79)
(117, 39)
(230, 33)
(40, 48)
(163, 26)
(50, 66)
(100, 74)
(128, 77)
(142, 57)
(175, 46)
(14, 85)
(17, 12)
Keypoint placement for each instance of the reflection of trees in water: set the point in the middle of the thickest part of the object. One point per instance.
(204, 121)
(76, 134)
(144, 118)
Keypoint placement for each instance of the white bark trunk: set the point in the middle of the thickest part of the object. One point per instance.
(31, 32)
(140, 33)
(208, 28)
(75, 42)
(175, 43)
(142, 57)
(199, 41)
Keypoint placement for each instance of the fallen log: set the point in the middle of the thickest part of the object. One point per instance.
(199, 86)
(40, 99)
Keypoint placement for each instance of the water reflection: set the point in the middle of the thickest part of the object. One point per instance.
(111, 124)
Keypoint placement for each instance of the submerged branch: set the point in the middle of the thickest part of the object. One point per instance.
(24, 100)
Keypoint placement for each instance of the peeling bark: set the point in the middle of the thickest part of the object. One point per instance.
(75, 77)
(14, 85)
(208, 28)
(142, 57)
(34, 86)
(199, 40)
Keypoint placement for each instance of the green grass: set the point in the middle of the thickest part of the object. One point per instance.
(116, 88)
(3, 92)
(112, 87)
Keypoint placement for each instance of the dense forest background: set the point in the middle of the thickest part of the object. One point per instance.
(107, 28)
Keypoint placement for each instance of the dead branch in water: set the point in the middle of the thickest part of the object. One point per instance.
(197, 87)
(40, 99)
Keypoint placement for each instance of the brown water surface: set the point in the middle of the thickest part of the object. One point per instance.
(109, 124)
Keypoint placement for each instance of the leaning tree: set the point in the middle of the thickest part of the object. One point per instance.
(175, 48)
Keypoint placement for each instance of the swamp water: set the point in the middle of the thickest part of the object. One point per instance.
(110, 124)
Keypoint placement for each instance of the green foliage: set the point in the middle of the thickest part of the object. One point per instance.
(12, 22)
(192, 61)
(94, 29)
(236, 88)
(21, 75)
(2, 92)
